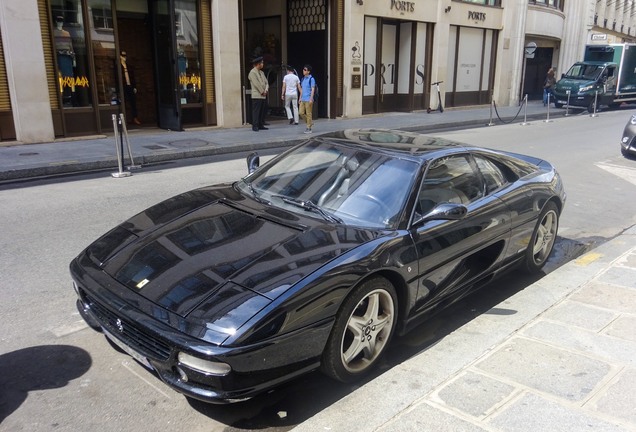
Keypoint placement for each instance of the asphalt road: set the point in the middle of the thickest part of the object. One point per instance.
(60, 375)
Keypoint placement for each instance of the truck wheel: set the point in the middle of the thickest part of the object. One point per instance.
(590, 107)
(558, 105)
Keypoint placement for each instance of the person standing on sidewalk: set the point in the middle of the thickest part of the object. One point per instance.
(259, 86)
(548, 86)
(308, 86)
(291, 89)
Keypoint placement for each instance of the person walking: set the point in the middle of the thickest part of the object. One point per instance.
(308, 87)
(291, 89)
(260, 87)
(548, 86)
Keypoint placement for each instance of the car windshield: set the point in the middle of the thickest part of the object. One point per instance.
(584, 71)
(339, 183)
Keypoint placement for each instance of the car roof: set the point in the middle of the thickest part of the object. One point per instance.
(410, 145)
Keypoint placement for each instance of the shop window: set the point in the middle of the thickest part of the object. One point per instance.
(189, 63)
(104, 53)
(71, 54)
(558, 4)
(484, 2)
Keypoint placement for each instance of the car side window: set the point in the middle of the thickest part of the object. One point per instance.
(449, 179)
(493, 176)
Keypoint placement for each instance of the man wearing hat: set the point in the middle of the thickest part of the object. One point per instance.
(260, 87)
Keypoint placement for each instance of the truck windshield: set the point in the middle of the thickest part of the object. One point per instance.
(584, 71)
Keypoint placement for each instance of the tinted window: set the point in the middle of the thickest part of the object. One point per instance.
(451, 179)
(493, 176)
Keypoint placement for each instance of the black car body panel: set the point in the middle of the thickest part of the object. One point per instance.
(628, 142)
(236, 275)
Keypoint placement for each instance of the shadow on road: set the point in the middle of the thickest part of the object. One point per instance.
(38, 368)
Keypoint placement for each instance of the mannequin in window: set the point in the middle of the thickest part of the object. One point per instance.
(65, 59)
(130, 89)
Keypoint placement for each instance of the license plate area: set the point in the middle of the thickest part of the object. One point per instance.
(128, 350)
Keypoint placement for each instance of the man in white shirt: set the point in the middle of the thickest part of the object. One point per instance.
(291, 89)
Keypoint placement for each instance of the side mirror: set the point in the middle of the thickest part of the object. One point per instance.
(444, 211)
(253, 162)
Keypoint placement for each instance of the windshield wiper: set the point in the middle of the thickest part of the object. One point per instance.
(255, 194)
(309, 205)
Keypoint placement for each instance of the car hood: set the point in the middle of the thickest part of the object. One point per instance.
(573, 84)
(215, 259)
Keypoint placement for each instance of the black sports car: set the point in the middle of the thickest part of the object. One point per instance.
(315, 259)
(628, 144)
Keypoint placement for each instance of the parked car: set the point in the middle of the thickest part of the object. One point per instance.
(315, 259)
(628, 146)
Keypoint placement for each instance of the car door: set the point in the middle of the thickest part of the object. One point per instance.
(452, 254)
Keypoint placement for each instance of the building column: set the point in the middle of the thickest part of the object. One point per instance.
(227, 62)
(26, 73)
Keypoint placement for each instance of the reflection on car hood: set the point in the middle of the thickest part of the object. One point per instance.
(218, 263)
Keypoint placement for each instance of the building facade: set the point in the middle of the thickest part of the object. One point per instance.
(62, 72)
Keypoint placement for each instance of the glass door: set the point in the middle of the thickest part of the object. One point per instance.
(165, 32)
(387, 75)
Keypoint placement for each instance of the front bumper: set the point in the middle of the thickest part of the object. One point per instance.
(578, 100)
(254, 369)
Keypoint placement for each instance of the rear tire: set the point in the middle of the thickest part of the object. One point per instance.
(543, 238)
(362, 331)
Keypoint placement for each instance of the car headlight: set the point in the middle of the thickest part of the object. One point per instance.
(204, 366)
(586, 88)
(633, 119)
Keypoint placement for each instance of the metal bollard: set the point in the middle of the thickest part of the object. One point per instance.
(567, 105)
(132, 165)
(490, 123)
(525, 111)
(547, 120)
(119, 146)
(593, 114)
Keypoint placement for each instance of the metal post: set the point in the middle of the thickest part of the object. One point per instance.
(525, 111)
(567, 105)
(244, 92)
(593, 114)
(132, 165)
(547, 120)
(492, 101)
(119, 147)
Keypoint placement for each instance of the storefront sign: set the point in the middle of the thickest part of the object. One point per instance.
(356, 81)
(477, 16)
(402, 6)
(72, 82)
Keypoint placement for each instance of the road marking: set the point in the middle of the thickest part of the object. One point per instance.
(628, 174)
(588, 258)
(68, 329)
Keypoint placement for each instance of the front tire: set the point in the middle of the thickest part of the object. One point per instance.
(543, 238)
(362, 331)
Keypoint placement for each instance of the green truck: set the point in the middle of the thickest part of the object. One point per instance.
(606, 76)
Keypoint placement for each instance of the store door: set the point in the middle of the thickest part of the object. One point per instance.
(164, 27)
(387, 68)
(393, 73)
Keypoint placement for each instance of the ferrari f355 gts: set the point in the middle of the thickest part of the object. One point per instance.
(315, 259)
